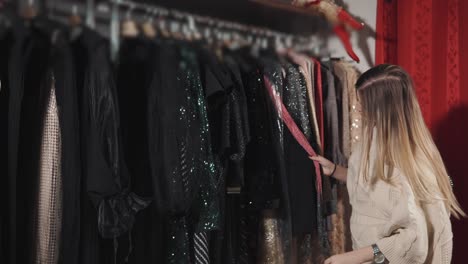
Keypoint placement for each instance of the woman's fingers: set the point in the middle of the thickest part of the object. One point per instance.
(327, 165)
(317, 158)
(323, 161)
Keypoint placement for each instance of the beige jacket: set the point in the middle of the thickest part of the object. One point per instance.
(389, 216)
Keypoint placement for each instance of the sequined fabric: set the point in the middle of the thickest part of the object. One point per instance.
(239, 133)
(263, 176)
(270, 239)
(295, 97)
(209, 174)
(306, 67)
(174, 132)
(299, 169)
(355, 114)
(312, 247)
(178, 242)
(340, 233)
(49, 206)
(263, 181)
(210, 180)
(275, 232)
(304, 247)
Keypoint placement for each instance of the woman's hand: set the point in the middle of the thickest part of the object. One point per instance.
(327, 166)
(342, 259)
(331, 169)
(353, 257)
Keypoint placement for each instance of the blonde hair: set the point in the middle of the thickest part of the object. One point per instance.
(391, 109)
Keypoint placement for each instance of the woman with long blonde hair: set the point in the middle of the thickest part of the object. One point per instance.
(399, 189)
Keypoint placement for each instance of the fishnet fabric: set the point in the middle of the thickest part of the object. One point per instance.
(49, 206)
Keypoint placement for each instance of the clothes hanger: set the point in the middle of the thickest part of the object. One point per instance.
(129, 27)
(162, 23)
(175, 30)
(162, 27)
(30, 10)
(148, 27)
(208, 36)
(74, 19)
(90, 17)
(6, 17)
(114, 39)
(185, 33)
(192, 26)
(75, 22)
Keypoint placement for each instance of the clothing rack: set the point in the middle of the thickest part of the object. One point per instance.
(106, 18)
(205, 20)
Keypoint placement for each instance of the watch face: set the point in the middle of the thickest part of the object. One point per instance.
(379, 258)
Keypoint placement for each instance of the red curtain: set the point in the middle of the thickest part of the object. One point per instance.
(429, 38)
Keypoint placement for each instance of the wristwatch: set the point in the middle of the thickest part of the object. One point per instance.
(379, 257)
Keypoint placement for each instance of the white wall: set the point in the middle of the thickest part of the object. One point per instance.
(366, 11)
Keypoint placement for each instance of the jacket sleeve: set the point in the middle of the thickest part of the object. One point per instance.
(406, 239)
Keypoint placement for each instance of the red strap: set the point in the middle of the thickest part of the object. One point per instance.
(319, 100)
(295, 131)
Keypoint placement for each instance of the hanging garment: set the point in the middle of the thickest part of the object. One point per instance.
(342, 87)
(211, 176)
(306, 67)
(263, 184)
(136, 84)
(318, 95)
(210, 179)
(299, 167)
(305, 245)
(217, 87)
(106, 181)
(355, 109)
(239, 123)
(6, 41)
(310, 248)
(49, 194)
(225, 246)
(173, 126)
(340, 221)
(90, 248)
(61, 62)
(355, 134)
(134, 74)
(275, 235)
(332, 93)
(31, 57)
(262, 189)
(271, 250)
(27, 65)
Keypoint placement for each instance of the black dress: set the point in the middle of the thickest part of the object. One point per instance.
(172, 149)
(262, 176)
(108, 203)
(6, 42)
(27, 67)
(39, 52)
